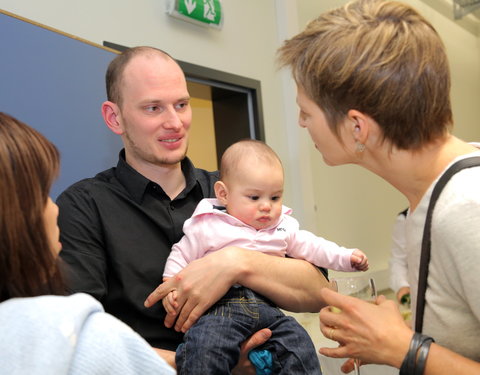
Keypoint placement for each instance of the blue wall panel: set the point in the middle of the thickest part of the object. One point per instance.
(55, 83)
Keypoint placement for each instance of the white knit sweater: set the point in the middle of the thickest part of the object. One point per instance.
(70, 335)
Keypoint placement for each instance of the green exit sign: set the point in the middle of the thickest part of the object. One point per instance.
(202, 12)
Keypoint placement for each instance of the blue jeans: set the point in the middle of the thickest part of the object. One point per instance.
(212, 345)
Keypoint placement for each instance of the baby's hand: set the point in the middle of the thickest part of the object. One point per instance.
(170, 304)
(359, 260)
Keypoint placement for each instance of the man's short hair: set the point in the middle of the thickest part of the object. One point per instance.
(114, 75)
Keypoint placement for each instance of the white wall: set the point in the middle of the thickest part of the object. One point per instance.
(245, 46)
(346, 204)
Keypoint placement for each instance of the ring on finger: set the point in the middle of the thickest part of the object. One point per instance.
(331, 334)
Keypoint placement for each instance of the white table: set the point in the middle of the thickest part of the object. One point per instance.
(331, 366)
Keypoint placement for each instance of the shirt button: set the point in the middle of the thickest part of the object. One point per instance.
(172, 207)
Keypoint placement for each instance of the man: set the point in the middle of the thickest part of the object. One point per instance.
(118, 227)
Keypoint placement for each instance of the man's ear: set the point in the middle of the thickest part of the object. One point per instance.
(359, 125)
(221, 192)
(110, 113)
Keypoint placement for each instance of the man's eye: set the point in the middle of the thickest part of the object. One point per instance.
(181, 106)
(152, 108)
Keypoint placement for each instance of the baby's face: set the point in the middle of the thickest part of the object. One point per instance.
(255, 194)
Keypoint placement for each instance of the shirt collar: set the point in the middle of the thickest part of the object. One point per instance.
(136, 184)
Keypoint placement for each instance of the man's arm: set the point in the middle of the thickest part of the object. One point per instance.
(82, 245)
(292, 284)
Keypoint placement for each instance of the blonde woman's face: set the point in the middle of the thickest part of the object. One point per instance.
(50, 217)
(313, 119)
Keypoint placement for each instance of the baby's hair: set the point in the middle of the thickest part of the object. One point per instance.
(254, 149)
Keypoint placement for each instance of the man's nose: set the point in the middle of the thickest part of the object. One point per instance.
(172, 120)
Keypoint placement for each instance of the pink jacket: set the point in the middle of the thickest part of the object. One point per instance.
(210, 229)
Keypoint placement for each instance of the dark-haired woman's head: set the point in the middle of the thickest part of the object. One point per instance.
(29, 244)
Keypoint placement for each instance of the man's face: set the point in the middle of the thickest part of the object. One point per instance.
(155, 114)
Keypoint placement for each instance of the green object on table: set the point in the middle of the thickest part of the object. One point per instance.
(405, 300)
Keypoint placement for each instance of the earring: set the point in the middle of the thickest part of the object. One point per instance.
(360, 147)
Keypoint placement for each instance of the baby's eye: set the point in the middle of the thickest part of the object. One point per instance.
(275, 198)
(254, 197)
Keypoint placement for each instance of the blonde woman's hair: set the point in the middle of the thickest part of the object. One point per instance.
(381, 58)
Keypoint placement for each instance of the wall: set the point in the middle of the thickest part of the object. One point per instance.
(245, 46)
(345, 204)
(357, 207)
(364, 206)
(203, 151)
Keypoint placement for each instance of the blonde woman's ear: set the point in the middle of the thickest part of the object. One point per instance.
(359, 125)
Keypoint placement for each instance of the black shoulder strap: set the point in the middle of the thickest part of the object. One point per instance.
(426, 241)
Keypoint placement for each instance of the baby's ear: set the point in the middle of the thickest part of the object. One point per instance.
(221, 192)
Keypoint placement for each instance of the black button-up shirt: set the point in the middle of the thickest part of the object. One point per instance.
(117, 230)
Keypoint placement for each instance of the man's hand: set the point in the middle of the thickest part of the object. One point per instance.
(198, 286)
(244, 366)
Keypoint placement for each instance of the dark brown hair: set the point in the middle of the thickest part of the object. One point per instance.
(381, 58)
(29, 164)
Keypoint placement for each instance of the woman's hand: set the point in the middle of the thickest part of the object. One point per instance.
(167, 355)
(373, 333)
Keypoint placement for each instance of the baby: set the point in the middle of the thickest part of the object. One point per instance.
(248, 213)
